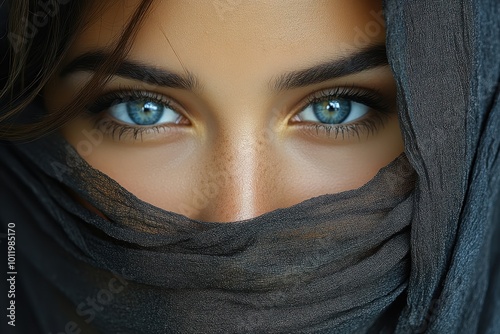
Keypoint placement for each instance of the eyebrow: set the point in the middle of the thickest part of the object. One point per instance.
(132, 70)
(365, 59)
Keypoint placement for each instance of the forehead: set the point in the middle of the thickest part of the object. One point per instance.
(263, 36)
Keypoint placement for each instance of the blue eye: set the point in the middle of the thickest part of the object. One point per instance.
(144, 113)
(333, 111)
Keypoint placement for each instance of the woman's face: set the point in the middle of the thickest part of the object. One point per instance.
(228, 109)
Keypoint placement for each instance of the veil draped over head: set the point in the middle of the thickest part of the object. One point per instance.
(415, 250)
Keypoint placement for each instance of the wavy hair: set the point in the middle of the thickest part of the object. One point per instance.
(38, 36)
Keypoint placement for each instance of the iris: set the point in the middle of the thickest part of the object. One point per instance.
(332, 111)
(142, 111)
(145, 112)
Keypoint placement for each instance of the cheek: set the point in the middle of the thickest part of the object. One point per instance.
(233, 178)
(320, 169)
(158, 173)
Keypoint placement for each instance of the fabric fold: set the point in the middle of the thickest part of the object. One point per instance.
(296, 263)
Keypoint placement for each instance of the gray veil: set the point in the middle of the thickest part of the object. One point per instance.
(447, 64)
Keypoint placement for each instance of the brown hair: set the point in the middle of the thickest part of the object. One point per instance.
(40, 34)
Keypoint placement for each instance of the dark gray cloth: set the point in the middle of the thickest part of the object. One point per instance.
(446, 59)
(406, 253)
(330, 264)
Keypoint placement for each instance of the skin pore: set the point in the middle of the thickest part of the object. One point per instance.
(242, 138)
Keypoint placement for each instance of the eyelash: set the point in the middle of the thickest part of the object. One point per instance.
(119, 130)
(369, 124)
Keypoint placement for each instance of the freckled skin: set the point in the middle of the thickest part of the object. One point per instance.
(241, 156)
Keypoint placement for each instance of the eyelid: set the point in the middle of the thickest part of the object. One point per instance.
(380, 111)
(372, 98)
(123, 95)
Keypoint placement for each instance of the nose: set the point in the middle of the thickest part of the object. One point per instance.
(242, 179)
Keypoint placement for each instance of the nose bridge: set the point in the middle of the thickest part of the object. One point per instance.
(239, 174)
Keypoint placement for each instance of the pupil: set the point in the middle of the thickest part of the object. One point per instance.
(333, 106)
(149, 107)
